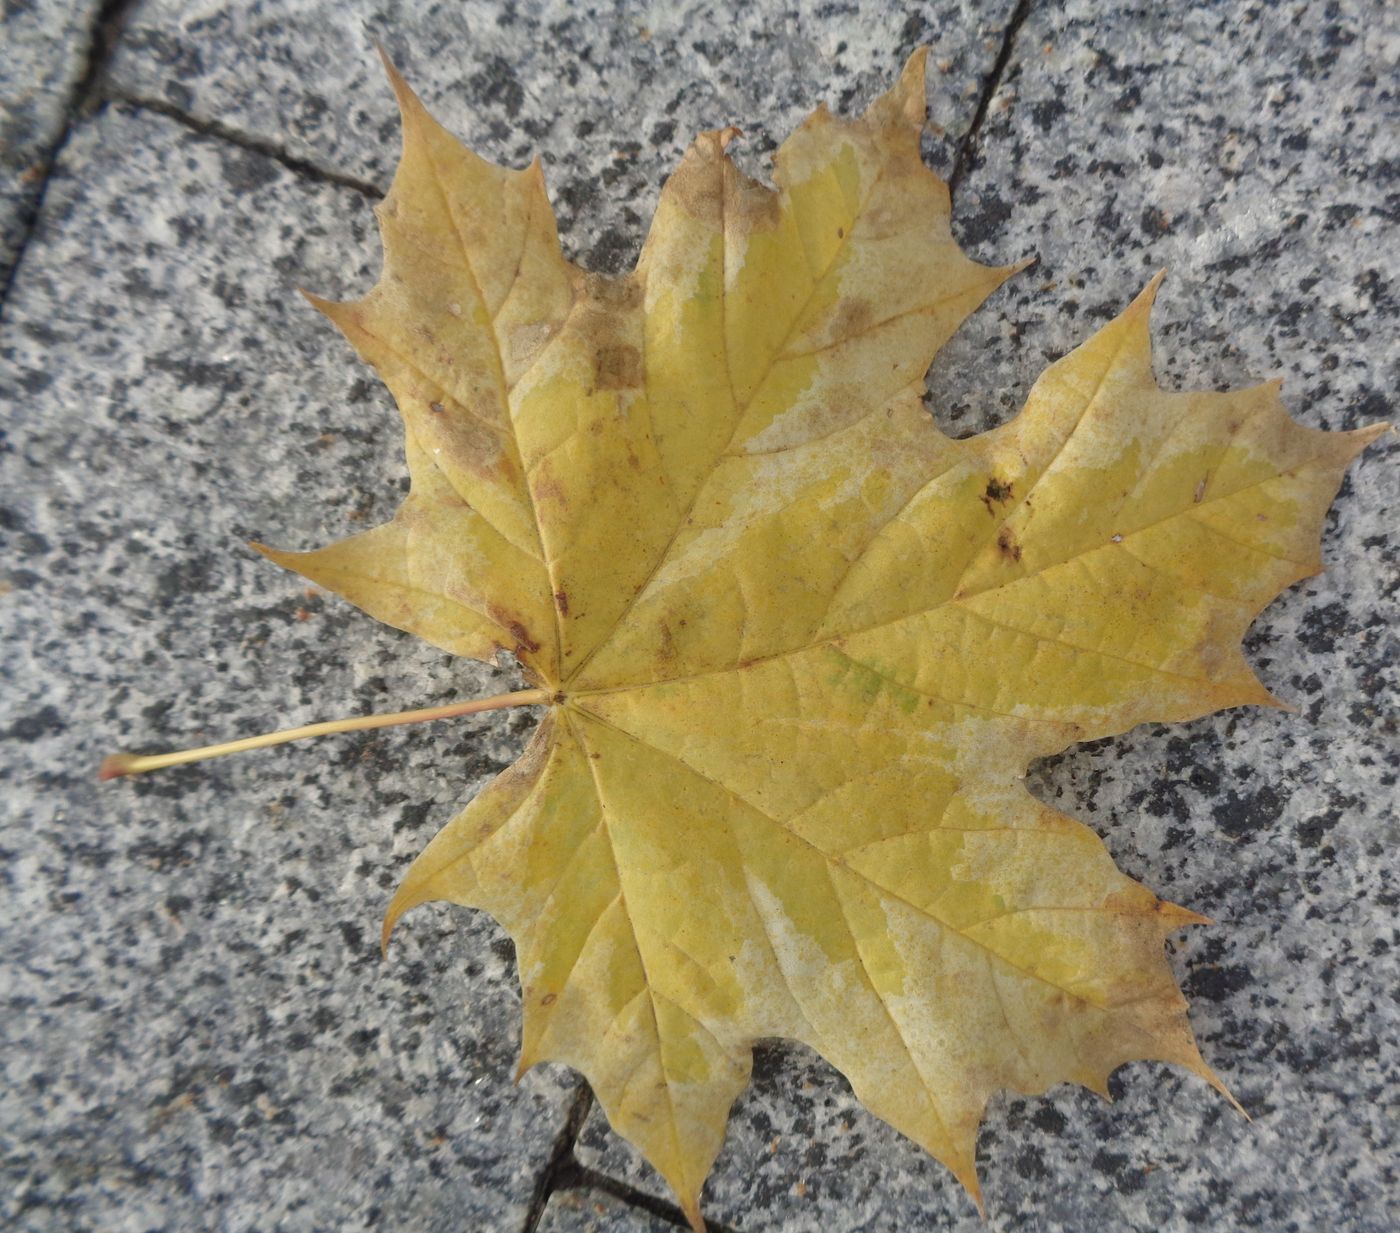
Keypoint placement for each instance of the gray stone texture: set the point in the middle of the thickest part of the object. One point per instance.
(608, 94)
(592, 1211)
(45, 52)
(199, 1032)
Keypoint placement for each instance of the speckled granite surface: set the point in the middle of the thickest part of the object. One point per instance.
(584, 1210)
(609, 94)
(46, 44)
(199, 1033)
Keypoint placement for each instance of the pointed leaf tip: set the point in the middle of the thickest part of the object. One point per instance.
(1147, 297)
(401, 87)
(335, 311)
(911, 90)
(1178, 917)
(1208, 1074)
(278, 556)
(690, 1207)
(398, 905)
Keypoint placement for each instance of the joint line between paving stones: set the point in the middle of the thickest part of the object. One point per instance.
(581, 1177)
(103, 36)
(561, 1158)
(222, 132)
(563, 1172)
(989, 89)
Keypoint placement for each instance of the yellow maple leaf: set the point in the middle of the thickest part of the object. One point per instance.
(797, 647)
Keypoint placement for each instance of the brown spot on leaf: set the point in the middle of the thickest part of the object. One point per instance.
(436, 407)
(561, 601)
(853, 316)
(617, 367)
(549, 999)
(522, 635)
(1007, 545)
(667, 649)
(547, 488)
(709, 187)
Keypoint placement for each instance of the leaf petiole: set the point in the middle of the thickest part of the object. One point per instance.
(118, 764)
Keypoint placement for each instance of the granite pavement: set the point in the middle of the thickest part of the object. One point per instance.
(199, 1032)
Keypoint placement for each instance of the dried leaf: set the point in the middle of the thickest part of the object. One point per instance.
(802, 647)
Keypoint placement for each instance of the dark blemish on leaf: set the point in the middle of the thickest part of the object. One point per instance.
(840, 233)
(522, 637)
(549, 999)
(617, 367)
(1200, 490)
(1007, 544)
(853, 316)
(561, 601)
(998, 492)
(436, 407)
(547, 487)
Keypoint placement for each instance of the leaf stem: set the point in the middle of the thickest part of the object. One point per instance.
(116, 765)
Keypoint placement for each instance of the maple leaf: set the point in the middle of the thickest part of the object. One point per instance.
(797, 647)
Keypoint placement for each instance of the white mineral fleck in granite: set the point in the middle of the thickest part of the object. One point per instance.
(199, 1032)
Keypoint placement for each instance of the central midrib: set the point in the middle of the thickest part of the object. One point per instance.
(740, 407)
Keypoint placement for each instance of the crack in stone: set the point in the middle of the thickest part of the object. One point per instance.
(563, 1173)
(268, 149)
(103, 37)
(561, 1160)
(581, 1177)
(989, 89)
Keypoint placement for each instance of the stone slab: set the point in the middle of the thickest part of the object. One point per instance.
(199, 1032)
(46, 45)
(609, 94)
